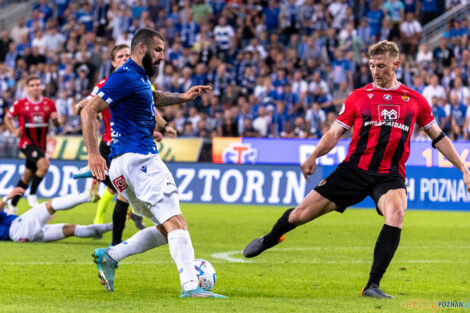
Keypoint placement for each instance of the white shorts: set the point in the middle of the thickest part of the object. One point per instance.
(145, 181)
(29, 226)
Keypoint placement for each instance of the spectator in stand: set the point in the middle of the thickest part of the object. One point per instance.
(223, 34)
(439, 113)
(19, 30)
(395, 12)
(375, 17)
(336, 14)
(410, 34)
(429, 11)
(5, 41)
(315, 118)
(424, 58)
(434, 89)
(458, 113)
(271, 14)
(443, 55)
(460, 90)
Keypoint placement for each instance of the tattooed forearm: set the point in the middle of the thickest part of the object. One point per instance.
(162, 99)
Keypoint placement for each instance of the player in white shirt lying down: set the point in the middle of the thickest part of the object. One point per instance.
(32, 225)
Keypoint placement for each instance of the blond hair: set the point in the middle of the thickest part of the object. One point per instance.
(383, 47)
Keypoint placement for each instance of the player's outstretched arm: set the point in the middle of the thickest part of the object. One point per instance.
(162, 99)
(327, 142)
(445, 146)
(96, 163)
(17, 191)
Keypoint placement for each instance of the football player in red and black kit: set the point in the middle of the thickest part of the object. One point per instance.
(382, 115)
(34, 113)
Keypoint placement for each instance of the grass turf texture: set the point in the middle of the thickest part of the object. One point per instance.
(321, 266)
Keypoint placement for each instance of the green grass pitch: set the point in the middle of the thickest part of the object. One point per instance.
(320, 267)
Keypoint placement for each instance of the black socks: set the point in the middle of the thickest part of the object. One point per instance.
(281, 227)
(119, 220)
(15, 199)
(385, 248)
(34, 186)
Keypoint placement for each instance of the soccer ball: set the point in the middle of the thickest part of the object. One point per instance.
(205, 273)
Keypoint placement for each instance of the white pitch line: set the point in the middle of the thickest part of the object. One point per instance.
(227, 256)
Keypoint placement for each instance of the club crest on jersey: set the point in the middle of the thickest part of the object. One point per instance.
(387, 97)
(405, 98)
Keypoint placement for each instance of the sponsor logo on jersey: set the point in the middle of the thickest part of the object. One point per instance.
(322, 182)
(37, 118)
(387, 97)
(405, 98)
(388, 115)
(144, 169)
(389, 112)
(120, 183)
(370, 96)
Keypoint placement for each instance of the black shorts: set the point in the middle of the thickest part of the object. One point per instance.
(348, 185)
(105, 150)
(33, 153)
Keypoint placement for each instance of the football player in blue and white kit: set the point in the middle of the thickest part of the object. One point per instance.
(32, 225)
(136, 169)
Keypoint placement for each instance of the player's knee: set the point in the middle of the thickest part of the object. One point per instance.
(174, 223)
(43, 165)
(395, 216)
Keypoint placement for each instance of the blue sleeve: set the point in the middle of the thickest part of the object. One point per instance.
(119, 85)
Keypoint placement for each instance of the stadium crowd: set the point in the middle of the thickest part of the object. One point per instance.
(278, 68)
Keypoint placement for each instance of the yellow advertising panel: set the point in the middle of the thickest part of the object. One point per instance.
(170, 149)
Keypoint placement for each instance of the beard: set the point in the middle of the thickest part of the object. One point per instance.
(149, 67)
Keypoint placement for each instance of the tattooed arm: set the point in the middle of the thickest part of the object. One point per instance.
(162, 99)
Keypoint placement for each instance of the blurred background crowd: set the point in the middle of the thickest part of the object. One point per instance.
(278, 68)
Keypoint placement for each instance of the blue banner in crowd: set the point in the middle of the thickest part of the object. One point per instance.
(439, 188)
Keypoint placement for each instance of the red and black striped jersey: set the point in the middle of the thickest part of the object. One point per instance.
(106, 113)
(33, 119)
(382, 121)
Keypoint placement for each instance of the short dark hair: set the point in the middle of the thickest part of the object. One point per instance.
(116, 49)
(145, 36)
(31, 78)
